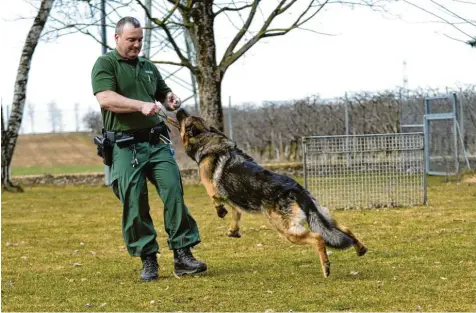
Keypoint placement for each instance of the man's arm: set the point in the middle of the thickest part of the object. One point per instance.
(112, 101)
(162, 90)
(104, 85)
(165, 95)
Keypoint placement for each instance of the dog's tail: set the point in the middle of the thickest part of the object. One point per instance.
(321, 221)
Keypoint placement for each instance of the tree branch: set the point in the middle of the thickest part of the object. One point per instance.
(296, 24)
(232, 9)
(230, 57)
(452, 13)
(240, 34)
(171, 63)
(77, 29)
(181, 6)
(472, 43)
(162, 24)
(156, 20)
(437, 16)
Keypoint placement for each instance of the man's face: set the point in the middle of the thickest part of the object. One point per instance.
(129, 43)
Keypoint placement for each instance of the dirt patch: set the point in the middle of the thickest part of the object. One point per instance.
(72, 149)
(55, 149)
(77, 148)
(471, 180)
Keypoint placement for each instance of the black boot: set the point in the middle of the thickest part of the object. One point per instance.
(150, 267)
(185, 263)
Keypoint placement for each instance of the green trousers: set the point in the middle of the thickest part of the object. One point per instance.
(156, 163)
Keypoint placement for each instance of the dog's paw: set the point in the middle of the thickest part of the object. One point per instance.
(326, 269)
(363, 250)
(221, 211)
(233, 233)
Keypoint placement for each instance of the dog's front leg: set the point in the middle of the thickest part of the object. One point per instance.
(221, 210)
(234, 230)
(219, 207)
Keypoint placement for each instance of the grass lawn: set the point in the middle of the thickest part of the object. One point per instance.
(58, 169)
(62, 250)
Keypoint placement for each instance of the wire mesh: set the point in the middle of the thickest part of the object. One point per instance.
(365, 171)
(442, 146)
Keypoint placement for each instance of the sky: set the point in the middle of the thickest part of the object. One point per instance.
(365, 52)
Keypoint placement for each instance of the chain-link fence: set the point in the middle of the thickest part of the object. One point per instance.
(366, 171)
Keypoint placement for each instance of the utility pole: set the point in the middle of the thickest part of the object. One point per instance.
(347, 131)
(107, 175)
(404, 96)
(405, 77)
(148, 30)
(103, 27)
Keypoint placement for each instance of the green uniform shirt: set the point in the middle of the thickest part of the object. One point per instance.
(138, 79)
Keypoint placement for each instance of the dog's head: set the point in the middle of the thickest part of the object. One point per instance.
(199, 138)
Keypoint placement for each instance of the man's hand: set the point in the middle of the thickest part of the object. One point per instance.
(172, 102)
(149, 109)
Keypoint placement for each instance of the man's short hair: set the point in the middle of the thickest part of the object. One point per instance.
(126, 20)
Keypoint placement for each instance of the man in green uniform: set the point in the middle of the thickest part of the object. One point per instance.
(127, 87)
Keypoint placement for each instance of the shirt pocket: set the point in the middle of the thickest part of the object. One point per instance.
(149, 81)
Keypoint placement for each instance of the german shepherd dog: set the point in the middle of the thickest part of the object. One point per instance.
(231, 177)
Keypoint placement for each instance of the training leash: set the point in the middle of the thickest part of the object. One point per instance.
(168, 119)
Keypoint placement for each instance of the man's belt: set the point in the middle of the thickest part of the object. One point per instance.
(153, 135)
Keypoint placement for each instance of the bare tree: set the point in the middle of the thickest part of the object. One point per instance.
(56, 118)
(273, 131)
(10, 132)
(93, 121)
(254, 20)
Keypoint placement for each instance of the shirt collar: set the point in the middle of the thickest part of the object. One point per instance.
(119, 58)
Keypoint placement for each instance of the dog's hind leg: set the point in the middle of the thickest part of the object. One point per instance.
(234, 230)
(291, 227)
(317, 243)
(360, 248)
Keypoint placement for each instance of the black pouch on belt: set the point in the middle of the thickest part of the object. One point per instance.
(104, 149)
(159, 129)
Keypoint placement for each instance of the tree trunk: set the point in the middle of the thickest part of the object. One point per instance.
(10, 131)
(210, 101)
(209, 76)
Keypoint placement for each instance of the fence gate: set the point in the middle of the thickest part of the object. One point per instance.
(365, 171)
(443, 138)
